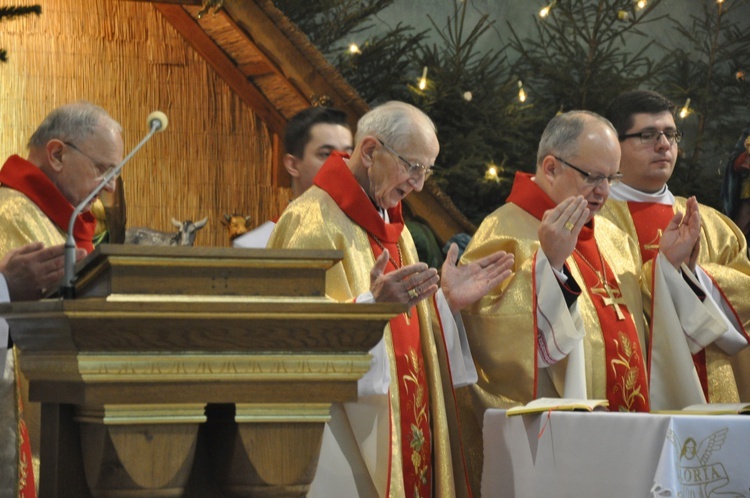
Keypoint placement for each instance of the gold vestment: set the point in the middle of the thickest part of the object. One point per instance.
(723, 256)
(502, 326)
(315, 221)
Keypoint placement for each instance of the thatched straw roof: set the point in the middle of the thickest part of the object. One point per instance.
(275, 69)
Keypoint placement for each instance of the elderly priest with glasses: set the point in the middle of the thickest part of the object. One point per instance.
(400, 437)
(569, 322)
(68, 154)
(643, 206)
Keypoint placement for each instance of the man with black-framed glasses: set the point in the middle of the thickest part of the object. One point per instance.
(642, 205)
(569, 322)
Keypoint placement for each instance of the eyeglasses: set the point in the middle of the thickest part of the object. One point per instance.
(652, 137)
(101, 168)
(415, 170)
(592, 180)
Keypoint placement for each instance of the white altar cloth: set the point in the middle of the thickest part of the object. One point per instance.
(611, 455)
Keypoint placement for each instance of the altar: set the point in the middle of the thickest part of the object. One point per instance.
(613, 455)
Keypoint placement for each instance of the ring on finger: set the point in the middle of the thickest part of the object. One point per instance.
(413, 293)
(569, 225)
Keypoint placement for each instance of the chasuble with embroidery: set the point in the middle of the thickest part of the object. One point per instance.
(31, 210)
(724, 272)
(398, 443)
(516, 331)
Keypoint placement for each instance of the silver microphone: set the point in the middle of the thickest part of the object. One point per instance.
(157, 121)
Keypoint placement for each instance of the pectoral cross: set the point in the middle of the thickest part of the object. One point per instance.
(610, 296)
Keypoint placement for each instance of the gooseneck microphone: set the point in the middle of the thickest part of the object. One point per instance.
(157, 121)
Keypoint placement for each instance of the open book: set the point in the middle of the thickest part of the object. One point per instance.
(567, 404)
(712, 409)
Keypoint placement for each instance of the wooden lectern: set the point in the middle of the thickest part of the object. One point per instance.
(183, 371)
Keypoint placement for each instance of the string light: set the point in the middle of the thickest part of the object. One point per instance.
(641, 4)
(521, 92)
(719, 1)
(423, 79)
(623, 15)
(354, 49)
(545, 10)
(492, 173)
(685, 111)
(740, 75)
(468, 96)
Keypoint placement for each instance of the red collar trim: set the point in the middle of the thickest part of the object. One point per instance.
(527, 195)
(23, 176)
(337, 180)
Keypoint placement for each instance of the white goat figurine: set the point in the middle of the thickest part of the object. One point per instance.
(185, 235)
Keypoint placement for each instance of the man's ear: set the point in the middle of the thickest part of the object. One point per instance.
(291, 164)
(550, 168)
(368, 146)
(54, 152)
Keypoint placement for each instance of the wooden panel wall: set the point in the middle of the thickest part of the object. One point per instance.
(214, 157)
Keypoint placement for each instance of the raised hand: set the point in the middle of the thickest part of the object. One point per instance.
(559, 229)
(466, 284)
(680, 241)
(409, 284)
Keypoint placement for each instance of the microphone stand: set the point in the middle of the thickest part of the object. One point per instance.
(68, 291)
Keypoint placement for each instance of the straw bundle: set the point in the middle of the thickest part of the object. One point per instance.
(214, 158)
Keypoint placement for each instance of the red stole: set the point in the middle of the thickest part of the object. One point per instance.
(23, 176)
(650, 219)
(26, 486)
(416, 439)
(627, 387)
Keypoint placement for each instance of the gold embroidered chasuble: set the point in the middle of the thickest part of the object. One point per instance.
(316, 221)
(723, 256)
(32, 209)
(22, 222)
(502, 327)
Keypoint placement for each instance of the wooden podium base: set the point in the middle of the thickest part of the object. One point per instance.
(195, 386)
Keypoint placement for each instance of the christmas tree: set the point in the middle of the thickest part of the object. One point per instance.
(484, 130)
(490, 106)
(706, 76)
(582, 54)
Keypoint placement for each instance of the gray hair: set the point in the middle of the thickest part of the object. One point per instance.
(74, 122)
(560, 137)
(394, 123)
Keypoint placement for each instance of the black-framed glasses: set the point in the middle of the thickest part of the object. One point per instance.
(652, 137)
(593, 180)
(101, 168)
(415, 170)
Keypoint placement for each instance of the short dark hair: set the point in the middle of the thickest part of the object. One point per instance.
(621, 110)
(297, 133)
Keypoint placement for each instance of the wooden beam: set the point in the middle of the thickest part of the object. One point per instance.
(292, 64)
(255, 69)
(178, 17)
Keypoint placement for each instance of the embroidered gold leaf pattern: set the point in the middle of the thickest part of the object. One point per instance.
(629, 362)
(420, 450)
